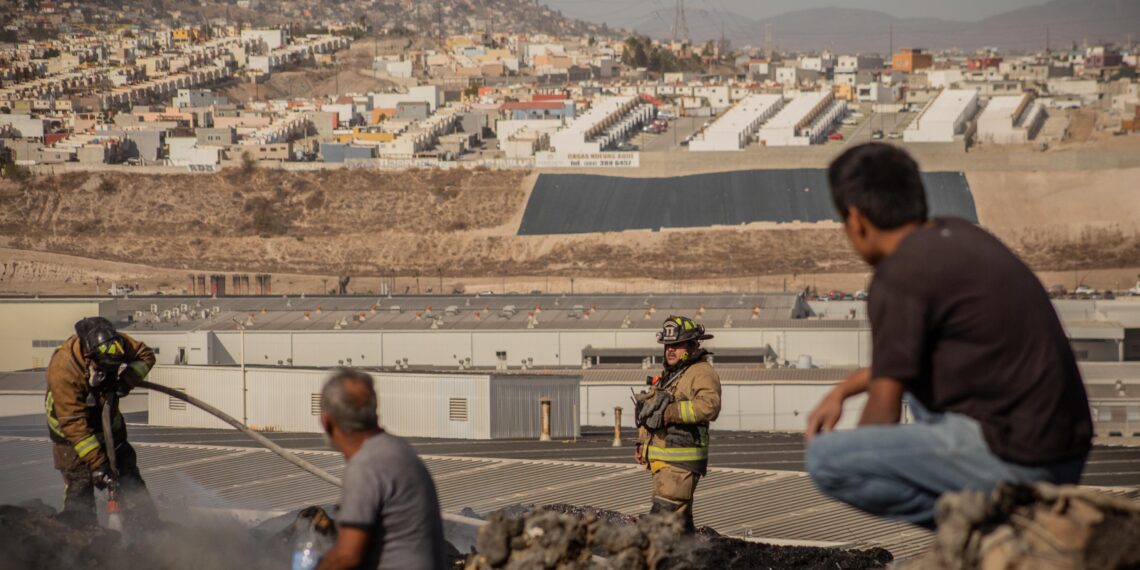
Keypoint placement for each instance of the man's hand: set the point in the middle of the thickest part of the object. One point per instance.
(102, 477)
(637, 455)
(348, 552)
(825, 415)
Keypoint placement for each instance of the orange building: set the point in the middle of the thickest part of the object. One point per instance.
(910, 60)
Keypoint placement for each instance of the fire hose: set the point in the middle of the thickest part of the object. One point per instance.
(264, 441)
(114, 518)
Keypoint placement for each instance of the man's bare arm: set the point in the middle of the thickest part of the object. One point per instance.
(827, 413)
(884, 402)
(348, 552)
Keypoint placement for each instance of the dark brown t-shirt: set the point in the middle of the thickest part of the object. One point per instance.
(968, 328)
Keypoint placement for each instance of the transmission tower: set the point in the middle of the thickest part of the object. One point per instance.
(680, 26)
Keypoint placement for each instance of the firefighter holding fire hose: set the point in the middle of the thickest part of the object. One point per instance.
(95, 366)
(673, 417)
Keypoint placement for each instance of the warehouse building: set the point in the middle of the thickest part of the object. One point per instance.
(31, 329)
(805, 120)
(445, 405)
(499, 333)
(944, 118)
(1013, 119)
(516, 332)
(588, 131)
(733, 129)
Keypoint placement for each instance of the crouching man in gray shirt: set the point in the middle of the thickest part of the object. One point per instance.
(389, 511)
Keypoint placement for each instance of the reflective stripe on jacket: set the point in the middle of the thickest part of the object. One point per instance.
(684, 442)
(73, 413)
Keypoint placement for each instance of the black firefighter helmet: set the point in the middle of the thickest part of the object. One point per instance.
(100, 342)
(677, 330)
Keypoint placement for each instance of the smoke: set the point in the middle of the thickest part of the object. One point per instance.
(39, 538)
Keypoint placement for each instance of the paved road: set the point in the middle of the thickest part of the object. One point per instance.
(886, 122)
(670, 139)
(1108, 466)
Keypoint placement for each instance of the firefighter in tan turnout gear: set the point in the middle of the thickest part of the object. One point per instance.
(90, 370)
(673, 417)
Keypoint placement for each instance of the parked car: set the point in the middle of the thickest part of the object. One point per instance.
(1083, 289)
(861, 295)
(117, 289)
(894, 135)
(835, 137)
(1135, 291)
(877, 135)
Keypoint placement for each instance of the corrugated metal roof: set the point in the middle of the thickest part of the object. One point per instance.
(549, 312)
(738, 502)
(728, 374)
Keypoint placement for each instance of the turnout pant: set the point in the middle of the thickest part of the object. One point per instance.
(899, 471)
(79, 491)
(673, 490)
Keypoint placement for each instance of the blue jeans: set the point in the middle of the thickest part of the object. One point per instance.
(899, 471)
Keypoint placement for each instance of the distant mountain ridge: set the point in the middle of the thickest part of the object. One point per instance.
(858, 30)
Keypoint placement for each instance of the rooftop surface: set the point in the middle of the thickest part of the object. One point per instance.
(795, 110)
(464, 312)
(744, 113)
(946, 107)
(756, 487)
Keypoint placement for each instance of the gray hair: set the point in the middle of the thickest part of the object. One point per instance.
(349, 398)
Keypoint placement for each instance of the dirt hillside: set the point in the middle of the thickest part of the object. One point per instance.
(463, 223)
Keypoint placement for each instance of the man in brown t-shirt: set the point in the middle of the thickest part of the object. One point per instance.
(964, 329)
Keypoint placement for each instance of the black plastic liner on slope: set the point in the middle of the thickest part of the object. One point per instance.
(586, 203)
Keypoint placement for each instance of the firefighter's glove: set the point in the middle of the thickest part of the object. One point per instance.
(122, 387)
(102, 476)
(651, 409)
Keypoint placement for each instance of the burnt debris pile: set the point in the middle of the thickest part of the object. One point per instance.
(569, 537)
(1044, 526)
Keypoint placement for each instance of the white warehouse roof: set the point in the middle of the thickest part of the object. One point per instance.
(574, 136)
(944, 118)
(732, 130)
(796, 110)
(744, 113)
(1003, 107)
(947, 107)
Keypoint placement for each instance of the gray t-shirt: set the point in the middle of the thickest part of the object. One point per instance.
(389, 492)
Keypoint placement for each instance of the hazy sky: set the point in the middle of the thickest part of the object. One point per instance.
(621, 12)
